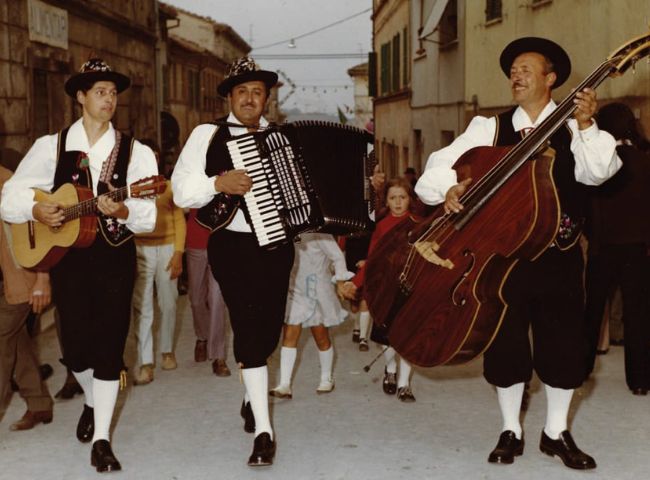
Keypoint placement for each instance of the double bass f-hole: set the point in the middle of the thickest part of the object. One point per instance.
(457, 300)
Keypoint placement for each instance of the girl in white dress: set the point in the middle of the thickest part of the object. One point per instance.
(312, 302)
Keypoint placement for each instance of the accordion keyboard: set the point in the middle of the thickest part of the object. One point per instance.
(276, 197)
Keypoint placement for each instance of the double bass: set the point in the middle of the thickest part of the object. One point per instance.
(438, 284)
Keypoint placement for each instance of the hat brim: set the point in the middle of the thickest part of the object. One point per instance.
(76, 82)
(269, 79)
(543, 46)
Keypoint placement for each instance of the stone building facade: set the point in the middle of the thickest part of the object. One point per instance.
(392, 108)
(42, 42)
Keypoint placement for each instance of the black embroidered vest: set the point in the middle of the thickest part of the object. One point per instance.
(72, 167)
(222, 208)
(572, 194)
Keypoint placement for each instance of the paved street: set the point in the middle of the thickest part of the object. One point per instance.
(186, 424)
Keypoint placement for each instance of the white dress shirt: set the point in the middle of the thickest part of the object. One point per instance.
(191, 185)
(37, 169)
(594, 151)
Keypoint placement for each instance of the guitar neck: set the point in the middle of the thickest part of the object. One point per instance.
(89, 207)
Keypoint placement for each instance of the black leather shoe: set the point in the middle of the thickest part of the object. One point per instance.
(246, 413)
(639, 391)
(389, 383)
(263, 451)
(508, 447)
(102, 457)
(86, 425)
(565, 448)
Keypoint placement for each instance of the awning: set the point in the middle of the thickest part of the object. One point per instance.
(434, 18)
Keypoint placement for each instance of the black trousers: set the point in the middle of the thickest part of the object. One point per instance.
(92, 289)
(254, 283)
(545, 295)
(625, 266)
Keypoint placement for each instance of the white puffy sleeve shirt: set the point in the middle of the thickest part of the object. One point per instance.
(37, 168)
(594, 151)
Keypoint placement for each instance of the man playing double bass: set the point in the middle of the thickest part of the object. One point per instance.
(545, 294)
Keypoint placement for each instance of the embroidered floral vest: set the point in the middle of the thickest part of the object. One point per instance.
(72, 167)
(222, 208)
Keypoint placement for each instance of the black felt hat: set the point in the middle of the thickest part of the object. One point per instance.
(245, 69)
(551, 50)
(95, 70)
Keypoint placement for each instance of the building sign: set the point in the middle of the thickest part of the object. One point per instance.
(48, 24)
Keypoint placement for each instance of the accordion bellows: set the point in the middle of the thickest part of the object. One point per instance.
(307, 176)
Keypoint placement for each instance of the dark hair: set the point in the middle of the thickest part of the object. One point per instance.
(85, 85)
(400, 182)
(618, 119)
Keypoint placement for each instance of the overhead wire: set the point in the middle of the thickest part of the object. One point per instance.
(313, 31)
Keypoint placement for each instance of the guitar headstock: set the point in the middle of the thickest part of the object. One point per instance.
(629, 53)
(148, 187)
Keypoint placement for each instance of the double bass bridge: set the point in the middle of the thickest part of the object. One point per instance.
(428, 250)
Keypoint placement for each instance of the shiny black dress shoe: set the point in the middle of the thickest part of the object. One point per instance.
(246, 413)
(639, 391)
(86, 425)
(566, 449)
(508, 447)
(102, 457)
(263, 451)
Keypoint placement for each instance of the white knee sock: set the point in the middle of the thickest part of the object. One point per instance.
(355, 317)
(510, 404)
(105, 395)
(256, 381)
(287, 361)
(389, 358)
(558, 401)
(404, 373)
(326, 359)
(364, 324)
(85, 379)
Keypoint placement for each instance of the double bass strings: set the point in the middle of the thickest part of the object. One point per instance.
(444, 226)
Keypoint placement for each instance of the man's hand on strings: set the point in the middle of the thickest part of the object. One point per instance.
(452, 198)
(49, 213)
(111, 208)
(586, 104)
(234, 182)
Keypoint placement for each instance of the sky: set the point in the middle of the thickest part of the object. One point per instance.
(320, 83)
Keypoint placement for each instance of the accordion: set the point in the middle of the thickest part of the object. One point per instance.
(307, 176)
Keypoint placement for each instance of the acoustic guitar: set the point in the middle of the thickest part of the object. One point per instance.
(39, 246)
